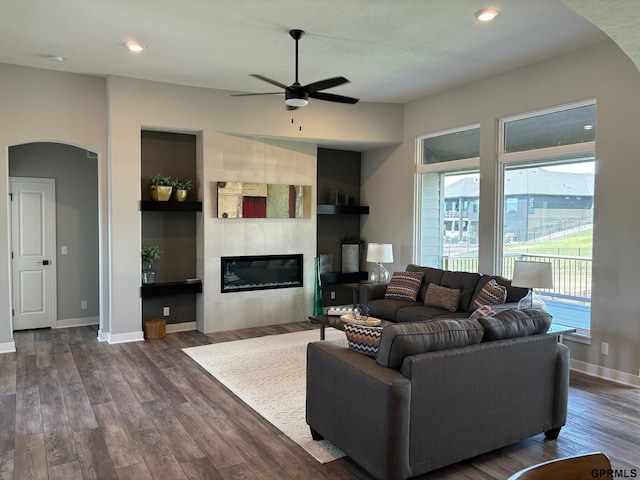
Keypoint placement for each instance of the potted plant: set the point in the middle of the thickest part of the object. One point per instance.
(182, 187)
(149, 254)
(160, 187)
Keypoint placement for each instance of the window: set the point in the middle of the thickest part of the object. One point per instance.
(448, 199)
(548, 165)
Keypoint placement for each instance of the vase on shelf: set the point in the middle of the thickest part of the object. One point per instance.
(148, 274)
(317, 290)
(160, 193)
(180, 195)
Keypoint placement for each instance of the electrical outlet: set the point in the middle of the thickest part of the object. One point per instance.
(604, 348)
(333, 295)
(63, 250)
(83, 305)
(165, 311)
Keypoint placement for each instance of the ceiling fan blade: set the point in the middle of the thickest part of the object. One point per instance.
(324, 84)
(330, 97)
(268, 80)
(254, 94)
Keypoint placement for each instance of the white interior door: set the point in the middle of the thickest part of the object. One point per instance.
(33, 252)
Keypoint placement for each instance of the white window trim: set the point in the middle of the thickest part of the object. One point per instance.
(453, 165)
(531, 157)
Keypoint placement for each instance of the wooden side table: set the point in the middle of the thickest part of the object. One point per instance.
(356, 290)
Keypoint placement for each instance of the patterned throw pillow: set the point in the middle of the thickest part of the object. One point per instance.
(483, 311)
(404, 286)
(491, 294)
(442, 297)
(363, 339)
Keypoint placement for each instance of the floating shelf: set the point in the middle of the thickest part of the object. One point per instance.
(170, 206)
(169, 288)
(342, 210)
(339, 277)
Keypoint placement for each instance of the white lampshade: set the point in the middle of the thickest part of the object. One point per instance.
(379, 253)
(532, 274)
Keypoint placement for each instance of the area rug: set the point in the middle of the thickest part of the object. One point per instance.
(269, 374)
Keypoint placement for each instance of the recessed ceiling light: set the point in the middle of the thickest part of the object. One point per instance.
(56, 58)
(135, 47)
(588, 127)
(486, 14)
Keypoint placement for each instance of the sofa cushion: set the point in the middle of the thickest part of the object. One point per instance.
(421, 313)
(363, 338)
(403, 339)
(515, 323)
(388, 309)
(404, 286)
(442, 297)
(431, 275)
(465, 282)
(491, 293)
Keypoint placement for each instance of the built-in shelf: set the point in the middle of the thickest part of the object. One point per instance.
(340, 277)
(169, 288)
(342, 210)
(170, 206)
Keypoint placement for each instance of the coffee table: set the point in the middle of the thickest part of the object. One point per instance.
(335, 321)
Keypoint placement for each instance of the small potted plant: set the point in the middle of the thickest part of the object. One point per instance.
(160, 187)
(182, 187)
(149, 254)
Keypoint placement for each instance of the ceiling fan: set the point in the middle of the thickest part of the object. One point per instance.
(297, 95)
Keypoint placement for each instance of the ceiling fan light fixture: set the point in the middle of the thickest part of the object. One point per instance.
(486, 14)
(297, 102)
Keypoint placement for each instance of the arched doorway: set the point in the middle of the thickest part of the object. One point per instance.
(76, 253)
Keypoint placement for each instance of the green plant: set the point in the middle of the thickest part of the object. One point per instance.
(352, 239)
(161, 181)
(183, 184)
(150, 253)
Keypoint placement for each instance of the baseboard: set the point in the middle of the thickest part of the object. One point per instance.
(103, 336)
(125, 337)
(77, 322)
(180, 327)
(8, 347)
(605, 373)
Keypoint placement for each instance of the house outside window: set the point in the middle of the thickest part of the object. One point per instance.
(547, 170)
(447, 189)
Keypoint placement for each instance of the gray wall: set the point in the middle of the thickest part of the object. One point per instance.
(76, 178)
(603, 72)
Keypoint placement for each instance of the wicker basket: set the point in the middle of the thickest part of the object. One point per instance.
(154, 329)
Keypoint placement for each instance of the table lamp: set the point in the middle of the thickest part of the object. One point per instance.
(532, 275)
(379, 253)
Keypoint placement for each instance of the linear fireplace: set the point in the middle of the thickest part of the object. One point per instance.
(260, 272)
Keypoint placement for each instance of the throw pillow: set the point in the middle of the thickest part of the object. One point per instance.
(491, 294)
(404, 286)
(442, 297)
(363, 339)
(483, 311)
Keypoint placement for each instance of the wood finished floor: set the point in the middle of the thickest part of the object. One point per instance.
(74, 408)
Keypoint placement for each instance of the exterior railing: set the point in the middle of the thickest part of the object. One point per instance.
(571, 275)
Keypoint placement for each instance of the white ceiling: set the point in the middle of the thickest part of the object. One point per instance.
(390, 50)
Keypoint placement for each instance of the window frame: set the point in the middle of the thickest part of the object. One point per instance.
(450, 166)
(534, 157)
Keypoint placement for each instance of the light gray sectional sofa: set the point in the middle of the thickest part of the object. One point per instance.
(439, 391)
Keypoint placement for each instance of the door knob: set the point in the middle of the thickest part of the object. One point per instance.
(44, 262)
